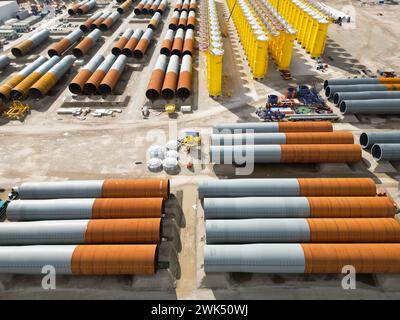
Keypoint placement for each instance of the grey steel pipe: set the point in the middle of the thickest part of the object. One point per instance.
(110, 80)
(86, 25)
(368, 139)
(173, 22)
(132, 43)
(4, 61)
(368, 95)
(49, 80)
(138, 9)
(15, 79)
(256, 127)
(32, 42)
(74, 8)
(331, 90)
(108, 22)
(92, 84)
(87, 7)
(154, 21)
(340, 82)
(377, 106)
(61, 46)
(77, 84)
(87, 43)
(96, 24)
(386, 151)
(123, 40)
(21, 90)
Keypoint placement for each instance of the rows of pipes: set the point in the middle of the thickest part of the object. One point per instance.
(384, 146)
(172, 74)
(303, 225)
(365, 95)
(92, 227)
(283, 142)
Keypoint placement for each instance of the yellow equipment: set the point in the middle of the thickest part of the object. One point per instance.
(17, 110)
(192, 141)
(170, 108)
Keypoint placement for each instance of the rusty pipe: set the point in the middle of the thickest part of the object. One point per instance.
(171, 78)
(147, 6)
(191, 21)
(86, 7)
(91, 86)
(178, 42)
(110, 80)
(123, 40)
(61, 46)
(162, 7)
(132, 43)
(96, 24)
(74, 8)
(85, 27)
(87, 43)
(143, 44)
(178, 5)
(32, 42)
(185, 5)
(185, 78)
(154, 6)
(107, 23)
(77, 84)
(173, 22)
(138, 9)
(193, 5)
(49, 80)
(153, 90)
(183, 20)
(188, 43)
(167, 42)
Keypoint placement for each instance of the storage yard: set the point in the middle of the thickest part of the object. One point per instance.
(200, 149)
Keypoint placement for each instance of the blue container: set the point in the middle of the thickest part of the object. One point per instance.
(272, 99)
(303, 91)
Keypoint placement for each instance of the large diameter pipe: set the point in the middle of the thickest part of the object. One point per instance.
(92, 84)
(70, 209)
(132, 43)
(173, 22)
(178, 5)
(185, 5)
(191, 21)
(110, 80)
(368, 95)
(154, 21)
(117, 231)
(177, 46)
(87, 43)
(147, 6)
(111, 188)
(188, 44)
(108, 22)
(96, 24)
(4, 61)
(288, 187)
(184, 89)
(171, 78)
(315, 230)
(341, 82)
(310, 258)
(87, 7)
(307, 153)
(163, 6)
(49, 80)
(123, 40)
(124, 7)
(368, 139)
(299, 207)
(167, 43)
(154, 87)
(15, 79)
(193, 5)
(61, 46)
(77, 84)
(331, 90)
(32, 42)
(377, 106)
(386, 151)
(316, 187)
(74, 8)
(80, 259)
(183, 20)
(282, 138)
(154, 6)
(143, 44)
(242, 127)
(86, 25)
(21, 90)
(138, 9)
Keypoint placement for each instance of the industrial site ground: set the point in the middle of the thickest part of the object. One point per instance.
(46, 146)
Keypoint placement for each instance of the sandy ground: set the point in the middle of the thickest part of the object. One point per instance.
(46, 146)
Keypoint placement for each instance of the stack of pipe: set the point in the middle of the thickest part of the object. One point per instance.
(86, 25)
(123, 40)
(365, 95)
(385, 146)
(86, 7)
(109, 21)
(15, 79)
(124, 7)
(117, 232)
(51, 77)
(162, 7)
(139, 7)
(171, 78)
(130, 46)
(173, 22)
(215, 51)
(4, 61)
(253, 145)
(154, 87)
(303, 225)
(151, 7)
(62, 46)
(110, 80)
(77, 84)
(87, 43)
(143, 44)
(147, 6)
(96, 23)
(92, 84)
(167, 42)
(74, 9)
(32, 42)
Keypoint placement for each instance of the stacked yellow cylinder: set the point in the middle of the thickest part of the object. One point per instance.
(214, 53)
(252, 36)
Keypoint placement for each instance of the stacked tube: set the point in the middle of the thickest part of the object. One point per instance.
(384, 145)
(151, 7)
(118, 232)
(252, 35)
(32, 42)
(130, 46)
(314, 226)
(96, 23)
(92, 84)
(86, 25)
(86, 7)
(87, 43)
(62, 46)
(123, 40)
(77, 84)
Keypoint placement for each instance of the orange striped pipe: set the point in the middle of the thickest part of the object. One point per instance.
(77, 84)
(61, 46)
(147, 6)
(177, 46)
(139, 8)
(188, 44)
(123, 40)
(154, 6)
(92, 84)
(86, 7)
(132, 43)
(183, 20)
(27, 45)
(191, 21)
(173, 22)
(178, 5)
(171, 78)
(184, 89)
(306, 126)
(87, 43)
(154, 87)
(86, 25)
(162, 7)
(109, 21)
(74, 8)
(336, 187)
(96, 24)
(186, 5)
(193, 5)
(143, 44)
(167, 43)
(110, 80)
